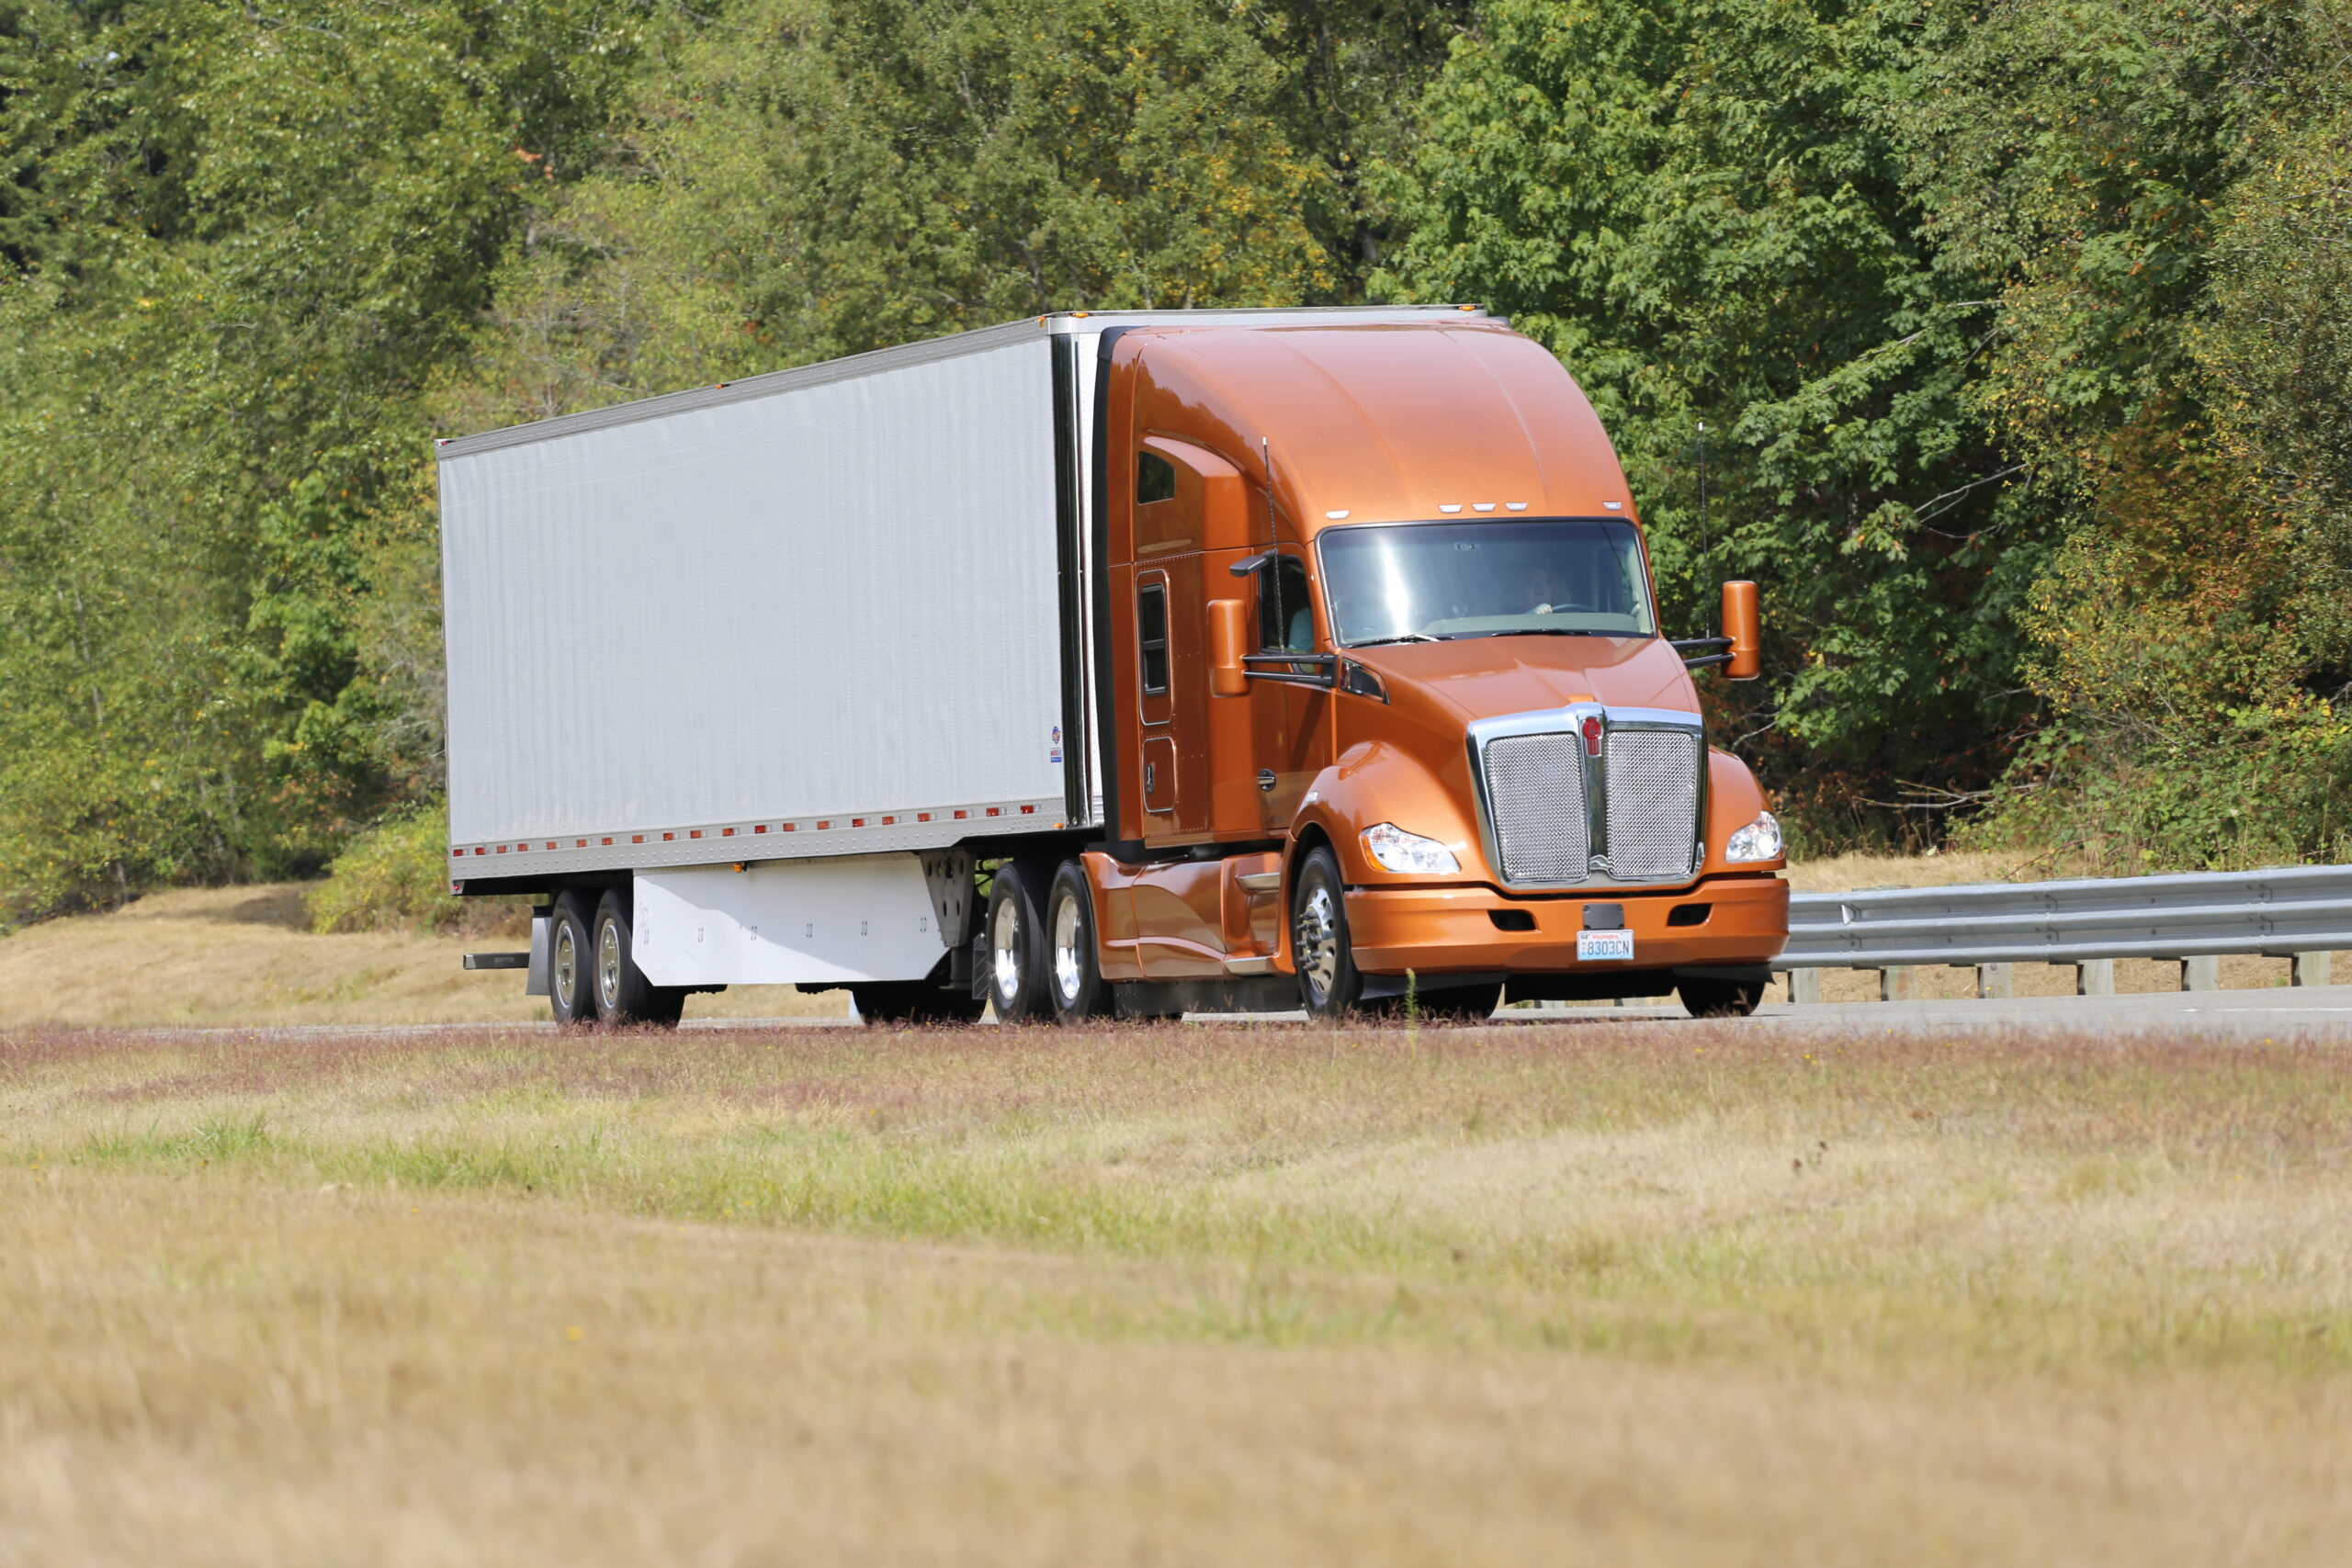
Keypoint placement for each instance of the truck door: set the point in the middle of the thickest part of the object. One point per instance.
(1171, 655)
(1290, 721)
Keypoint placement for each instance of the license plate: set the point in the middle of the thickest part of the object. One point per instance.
(1599, 945)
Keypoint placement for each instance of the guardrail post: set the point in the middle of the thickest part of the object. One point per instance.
(1894, 985)
(1992, 980)
(2200, 973)
(2095, 977)
(2308, 969)
(1804, 985)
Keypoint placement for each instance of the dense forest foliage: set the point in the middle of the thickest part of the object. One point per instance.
(2008, 345)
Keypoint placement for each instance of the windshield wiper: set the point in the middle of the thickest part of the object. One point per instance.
(1402, 636)
(1544, 631)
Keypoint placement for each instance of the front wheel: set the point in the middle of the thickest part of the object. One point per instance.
(1329, 985)
(1720, 998)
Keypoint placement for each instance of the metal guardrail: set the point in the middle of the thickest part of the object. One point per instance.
(2302, 912)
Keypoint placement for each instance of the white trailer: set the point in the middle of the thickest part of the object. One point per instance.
(759, 669)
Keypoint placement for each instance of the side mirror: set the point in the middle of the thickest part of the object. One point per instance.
(1228, 640)
(1743, 630)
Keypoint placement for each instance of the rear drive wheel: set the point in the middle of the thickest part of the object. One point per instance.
(1018, 968)
(1078, 989)
(1720, 998)
(1329, 984)
(570, 997)
(623, 993)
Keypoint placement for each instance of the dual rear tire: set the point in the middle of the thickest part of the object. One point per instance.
(593, 976)
(1039, 944)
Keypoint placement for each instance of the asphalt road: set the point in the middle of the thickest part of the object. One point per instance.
(2320, 1011)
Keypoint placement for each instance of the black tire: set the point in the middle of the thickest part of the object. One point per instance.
(1460, 1004)
(623, 993)
(1073, 961)
(1720, 998)
(1014, 945)
(1329, 985)
(571, 994)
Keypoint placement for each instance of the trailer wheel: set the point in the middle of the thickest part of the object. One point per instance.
(1329, 984)
(623, 993)
(1720, 998)
(1019, 972)
(1079, 991)
(570, 997)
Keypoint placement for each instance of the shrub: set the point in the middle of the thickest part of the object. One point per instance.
(395, 877)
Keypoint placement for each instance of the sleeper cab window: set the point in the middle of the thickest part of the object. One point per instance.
(1151, 633)
(1155, 479)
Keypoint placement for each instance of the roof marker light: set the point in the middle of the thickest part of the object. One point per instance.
(1466, 307)
(1449, 506)
(1615, 505)
(1514, 507)
(1339, 517)
(1482, 506)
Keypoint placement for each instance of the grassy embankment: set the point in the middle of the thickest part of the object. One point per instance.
(1616, 1294)
(247, 955)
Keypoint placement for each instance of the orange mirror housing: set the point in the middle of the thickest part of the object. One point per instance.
(1228, 639)
(1746, 631)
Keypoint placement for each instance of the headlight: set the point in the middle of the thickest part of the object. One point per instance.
(1760, 840)
(1399, 850)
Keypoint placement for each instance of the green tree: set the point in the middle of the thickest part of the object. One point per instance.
(1705, 209)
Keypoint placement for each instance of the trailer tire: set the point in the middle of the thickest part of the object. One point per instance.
(1020, 973)
(1329, 987)
(1079, 990)
(623, 993)
(571, 994)
(1720, 998)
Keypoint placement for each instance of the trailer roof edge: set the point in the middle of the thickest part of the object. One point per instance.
(927, 351)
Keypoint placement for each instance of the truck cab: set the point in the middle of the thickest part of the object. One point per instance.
(1392, 706)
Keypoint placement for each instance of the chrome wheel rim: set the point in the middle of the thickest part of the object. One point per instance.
(1069, 966)
(567, 966)
(1004, 951)
(1318, 939)
(609, 965)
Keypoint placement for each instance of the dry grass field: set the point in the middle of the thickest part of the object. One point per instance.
(1607, 1292)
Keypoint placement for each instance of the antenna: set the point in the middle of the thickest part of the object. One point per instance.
(1706, 539)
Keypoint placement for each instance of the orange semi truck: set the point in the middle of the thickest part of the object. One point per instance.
(1115, 663)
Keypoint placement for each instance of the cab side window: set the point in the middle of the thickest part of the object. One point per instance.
(1155, 479)
(1285, 624)
(1152, 633)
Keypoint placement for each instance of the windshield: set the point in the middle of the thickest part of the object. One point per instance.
(1440, 581)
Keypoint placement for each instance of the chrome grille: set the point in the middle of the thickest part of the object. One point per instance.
(1535, 792)
(1653, 804)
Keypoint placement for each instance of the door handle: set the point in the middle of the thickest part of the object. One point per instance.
(1266, 780)
(1152, 778)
